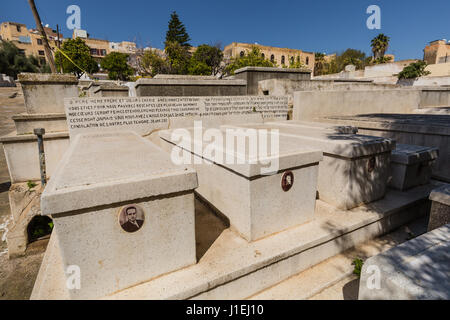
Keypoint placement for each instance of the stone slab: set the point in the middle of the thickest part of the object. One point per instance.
(311, 125)
(51, 122)
(440, 207)
(45, 93)
(238, 185)
(416, 270)
(235, 269)
(144, 115)
(105, 168)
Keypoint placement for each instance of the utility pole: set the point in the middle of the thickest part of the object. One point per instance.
(48, 51)
(59, 47)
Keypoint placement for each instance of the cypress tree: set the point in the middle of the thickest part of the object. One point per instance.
(177, 31)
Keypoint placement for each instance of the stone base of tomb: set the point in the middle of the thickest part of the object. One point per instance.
(232, 268)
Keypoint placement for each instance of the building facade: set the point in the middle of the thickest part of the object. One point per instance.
(280, 56)
(29, 41)
(437, 52)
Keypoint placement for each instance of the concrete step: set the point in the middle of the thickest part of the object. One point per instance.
(333, 279)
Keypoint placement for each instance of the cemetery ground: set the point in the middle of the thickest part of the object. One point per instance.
(331, 279)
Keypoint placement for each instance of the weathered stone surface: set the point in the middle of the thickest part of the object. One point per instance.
(252, 75)
(347, 161)
(311, 125)
(144, 115)
(109, 90)
(440, 208)
(233, 268)
(418, 269)
(411, 166)
(99, 175)
(45, 93)
(240, 188)
(22, 156)
(51, 122)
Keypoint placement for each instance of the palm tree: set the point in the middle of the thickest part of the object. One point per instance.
(379, 45)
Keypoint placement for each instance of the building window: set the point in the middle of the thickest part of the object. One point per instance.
(263, 56)
(18, 28)
(22, 52)
(93, 52)
(41, 52)
(307, 60)
(292, 60)
(282, 60)
(272, 58)
(241, 54)
(298, 59)
(39, 42)
(103, 52)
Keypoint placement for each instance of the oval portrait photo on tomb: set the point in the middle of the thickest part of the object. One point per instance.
(131, 218)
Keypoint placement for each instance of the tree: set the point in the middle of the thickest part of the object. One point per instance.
(154, 64)
(12, 62)
(206, 60)
(414, 70)
(178, 57)
(177, 32)
(252, 58)
(80, 54)
(320, 64)
(116, 64)
(379, 46)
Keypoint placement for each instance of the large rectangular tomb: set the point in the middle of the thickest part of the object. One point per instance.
(123, 213)
(261, 193)
(355, 168)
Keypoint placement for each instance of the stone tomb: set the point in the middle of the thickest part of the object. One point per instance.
(411, 166)
(259, 197)
(311, 125)
(355, 168)
(100, 184)
(145, 115)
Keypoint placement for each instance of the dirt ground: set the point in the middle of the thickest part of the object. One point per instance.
(17, 276)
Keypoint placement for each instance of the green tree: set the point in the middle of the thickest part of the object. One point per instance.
(178, 57)
(351, 56)
(379, 46)
(252, 58)
(414, 70)
(206, 60)
(12, 62)
(177, 32)
(116, 64)
(320, 64)
(80, 54)
(154, 64)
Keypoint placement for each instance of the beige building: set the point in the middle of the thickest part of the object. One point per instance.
(437, 52)
(27, 40)
(280, 56)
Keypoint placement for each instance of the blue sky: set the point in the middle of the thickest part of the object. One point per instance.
(324, 26)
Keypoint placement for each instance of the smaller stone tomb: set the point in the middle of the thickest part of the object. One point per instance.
(260, 194)
(411, 166)
(144, 115)
(355, 169)
(123, 212)
(440, 207)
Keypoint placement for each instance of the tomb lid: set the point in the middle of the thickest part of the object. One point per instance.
(113, 167)
(46, 78)
(411, 154)
(189, 82)
(242, 160)
(316, 125)
(331, 143)
(273, 69)
(110, 87)
(441, 194)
